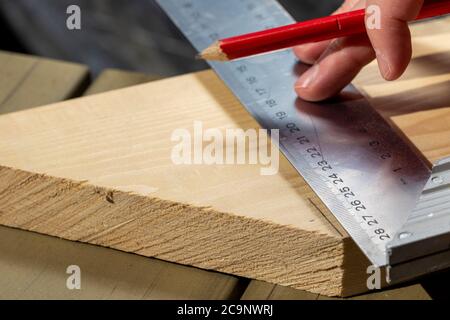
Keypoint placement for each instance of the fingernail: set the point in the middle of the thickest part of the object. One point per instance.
(308, 77)
(383, 63)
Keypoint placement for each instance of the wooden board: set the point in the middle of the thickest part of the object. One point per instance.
(125, 193)
(34, 266)
(111, 79)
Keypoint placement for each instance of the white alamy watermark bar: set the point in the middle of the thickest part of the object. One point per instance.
(214, 146)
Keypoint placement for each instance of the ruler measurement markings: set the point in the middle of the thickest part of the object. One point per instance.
(318, 163)
(265, 87)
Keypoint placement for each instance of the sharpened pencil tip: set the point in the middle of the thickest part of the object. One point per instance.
(199, 56)
(214, 53)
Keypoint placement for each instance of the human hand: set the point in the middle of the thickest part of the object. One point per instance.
(337, 62)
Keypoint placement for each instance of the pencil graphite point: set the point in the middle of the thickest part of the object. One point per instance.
(214, 53)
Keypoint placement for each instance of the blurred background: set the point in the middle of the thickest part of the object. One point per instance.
(126, 34)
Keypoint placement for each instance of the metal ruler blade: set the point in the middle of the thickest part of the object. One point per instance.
(364, 173)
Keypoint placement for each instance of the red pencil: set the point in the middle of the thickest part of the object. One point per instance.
(316, 30)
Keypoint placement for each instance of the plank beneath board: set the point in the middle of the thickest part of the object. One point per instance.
(28, 81)
(111, 79)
